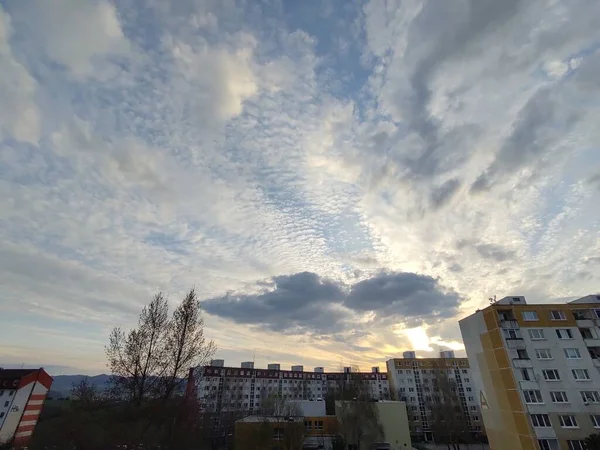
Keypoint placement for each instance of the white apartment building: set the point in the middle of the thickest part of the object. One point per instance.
(535, 370)
(22, 395)
(412, 380)
(245, 388)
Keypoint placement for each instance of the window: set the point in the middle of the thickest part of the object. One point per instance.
(590, 396)
(411, 389)
(522, 354)
(595, 420)
(548, 444)
(543, 353)
(512, 334)
(1, 414)
(473, 408)
(318, 425)
(467, 380)
(476, 418)
(6, 403)
(540, 420)
(567, 421)
(525, 375)
(536, 334)
(277, 434)
(575, 445)
(400, 372)
(471, 399)
(572, 353)
(586, 333)
(530, 316)
(564, 333)
(468, 389)
(551, 375)
(580, 374)
(464, 371)
(533, 396)
(557, 315)
(559, 396)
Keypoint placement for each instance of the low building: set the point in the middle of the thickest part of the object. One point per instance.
(22, 396)
(373, 425)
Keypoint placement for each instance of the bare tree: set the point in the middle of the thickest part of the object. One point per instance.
(136, 359)
(152, 359)
(186, 345)
(447, 417)
(85, 393)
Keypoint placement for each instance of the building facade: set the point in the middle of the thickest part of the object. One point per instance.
(415, 381)
(22, 396)
(246, 388)
(536, 371)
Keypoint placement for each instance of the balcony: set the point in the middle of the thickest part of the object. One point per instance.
(592, 342)
(522, 363)
(515, 343)
(508, 323)
(585, 323)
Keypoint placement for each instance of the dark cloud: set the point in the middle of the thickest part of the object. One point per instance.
(305, 302)
(487, 251)
(300, 301)
(593, 260)
(594, 180)
(443, 194)
(415, 297)
(456, 268)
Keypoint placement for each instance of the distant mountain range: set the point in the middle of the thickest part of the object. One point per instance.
(62, 384)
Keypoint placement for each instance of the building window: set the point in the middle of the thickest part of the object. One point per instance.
(473, 408)
(572, 353)
(564, 333)
(590, 396)
(307, 425)
(580, 374)
(595, 420)
(471, 399)
(277, 434)
(541, 420)
(1, 414)
(586, 333)
(557, 315)
(568, 421)
(543, 353)
(6, 403)
(411, 389)
(464, 371)
(512, 334)
(551, 375)
(530, 316)
(522, 354)
(536, 334)
(559, 396)
(400, 372)
(525, 374)
(533, 396)
(318, 424)
(548, 444)
(468, 389)
(575, 445)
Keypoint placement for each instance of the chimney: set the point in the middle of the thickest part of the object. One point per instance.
(190, 387)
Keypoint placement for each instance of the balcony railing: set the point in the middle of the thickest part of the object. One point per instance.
(509, 323)
(515, 343)
(522, 363)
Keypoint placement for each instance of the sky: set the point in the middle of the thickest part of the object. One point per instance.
(339, 180)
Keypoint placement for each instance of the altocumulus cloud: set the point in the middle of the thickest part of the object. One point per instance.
(307, 303)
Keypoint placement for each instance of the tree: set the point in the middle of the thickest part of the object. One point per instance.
(592, 442)
(446, 416)
(137, 359)
(85, 394)
(356, 411)
(186, 345)
(152, 359)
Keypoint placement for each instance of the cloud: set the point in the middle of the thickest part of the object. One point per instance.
(82, 37)
(444, 193)
(305, 302)
(19, 118)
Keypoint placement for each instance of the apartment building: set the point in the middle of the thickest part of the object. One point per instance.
(535, 370)
(245, 388)
(22, 395)
(415, 381)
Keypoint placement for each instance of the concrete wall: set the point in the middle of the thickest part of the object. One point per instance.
(394, 420)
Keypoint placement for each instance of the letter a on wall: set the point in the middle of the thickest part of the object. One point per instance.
(483, 401)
